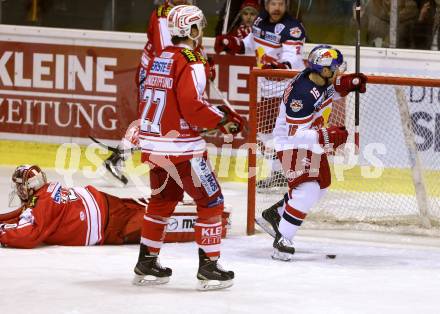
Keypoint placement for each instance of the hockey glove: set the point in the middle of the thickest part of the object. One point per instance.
(228, 43)
(275, 65)
(347, 83)
(332, 137)
(232, 122)
(269, 62)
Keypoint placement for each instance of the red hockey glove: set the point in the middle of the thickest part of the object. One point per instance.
(232, 123)
(332, 137)
(228, 43)
(347, 83)
(211, 69)
(275, 65)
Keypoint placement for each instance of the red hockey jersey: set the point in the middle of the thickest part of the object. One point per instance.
(173, 108)
(158, 35)
(57, 215)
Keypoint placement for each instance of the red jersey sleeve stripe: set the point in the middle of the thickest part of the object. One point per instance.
(294, 42)
(266, 43)
(299, 121)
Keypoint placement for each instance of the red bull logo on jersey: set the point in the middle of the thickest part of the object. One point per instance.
(296, 105)
(295, 32)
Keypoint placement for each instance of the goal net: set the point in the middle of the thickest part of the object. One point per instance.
(391, 183)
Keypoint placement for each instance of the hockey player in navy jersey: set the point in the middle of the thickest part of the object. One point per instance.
(277, 39)
(303, 137)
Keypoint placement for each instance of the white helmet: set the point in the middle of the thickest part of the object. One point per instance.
(182, 17)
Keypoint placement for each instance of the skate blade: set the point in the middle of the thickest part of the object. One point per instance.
(267, 227)
(281, 256)
(207, 285)
(140, 280)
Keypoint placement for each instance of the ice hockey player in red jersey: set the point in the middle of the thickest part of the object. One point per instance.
(158, 37)
(172, 114)
(302, 139)
(79, 216)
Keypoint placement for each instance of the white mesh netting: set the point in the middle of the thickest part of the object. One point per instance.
(375, 189)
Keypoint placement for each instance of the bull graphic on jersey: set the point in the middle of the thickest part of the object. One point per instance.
(296, 105)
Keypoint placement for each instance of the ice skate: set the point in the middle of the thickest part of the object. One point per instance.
(270, 219)
(114, 165)
(148, 270)
(211, 276)
(283, 249)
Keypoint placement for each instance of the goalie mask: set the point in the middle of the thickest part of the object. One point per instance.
(326, 56)
(26, 181)
(181, 19)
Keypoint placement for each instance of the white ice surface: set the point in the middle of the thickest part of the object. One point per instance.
(373, 273)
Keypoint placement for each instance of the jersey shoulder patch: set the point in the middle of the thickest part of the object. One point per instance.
(298, 98)
(163, 10)
(192, 56)
(294, 30)
(32, 202)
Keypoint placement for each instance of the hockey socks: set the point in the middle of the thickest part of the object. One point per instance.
(153, 233)
(208, 236)
(290, 222)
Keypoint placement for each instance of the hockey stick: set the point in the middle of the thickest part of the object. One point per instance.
(223, 99)
(226, 20)
(115, 150)
(357, 70)
(227, 103)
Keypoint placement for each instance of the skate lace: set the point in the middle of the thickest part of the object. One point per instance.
(159, 265)
(219, 266)
(285, 242)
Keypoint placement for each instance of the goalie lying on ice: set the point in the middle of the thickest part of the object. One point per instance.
(80, 216)
(55, 215)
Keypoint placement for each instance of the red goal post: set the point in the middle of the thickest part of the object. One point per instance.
(395, 93)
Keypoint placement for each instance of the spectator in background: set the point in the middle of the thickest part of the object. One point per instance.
(234, 11)
(376, 19)
(424, 28)
(242, 25)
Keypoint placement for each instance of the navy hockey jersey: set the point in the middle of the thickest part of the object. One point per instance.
(282, 41)
(305, 107)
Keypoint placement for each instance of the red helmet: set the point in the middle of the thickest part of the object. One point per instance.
(28, 179)
(250, 4)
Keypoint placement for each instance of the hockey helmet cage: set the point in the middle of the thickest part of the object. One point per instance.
(182, 17)
(27, 180)
(325, 56)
